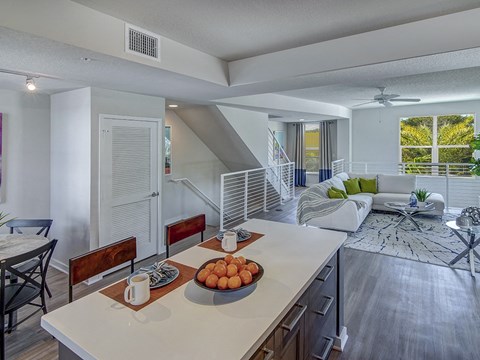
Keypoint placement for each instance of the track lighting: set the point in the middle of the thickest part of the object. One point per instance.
(30, 84)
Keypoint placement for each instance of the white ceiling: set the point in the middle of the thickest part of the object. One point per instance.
(236, 29)
(449, 76)
(444, 86)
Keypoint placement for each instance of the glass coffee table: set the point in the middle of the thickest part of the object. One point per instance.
(472, 242)
(408, 212)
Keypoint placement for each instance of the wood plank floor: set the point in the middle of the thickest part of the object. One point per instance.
(394, 308)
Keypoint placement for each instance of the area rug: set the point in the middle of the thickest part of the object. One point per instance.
(437, 244)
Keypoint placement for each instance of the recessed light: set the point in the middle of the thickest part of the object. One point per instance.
(173, 106)
(302, 119)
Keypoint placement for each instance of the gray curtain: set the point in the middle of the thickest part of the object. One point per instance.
(327, 144)
(299, 156)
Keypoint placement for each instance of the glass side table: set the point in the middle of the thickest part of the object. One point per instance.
(471, 243)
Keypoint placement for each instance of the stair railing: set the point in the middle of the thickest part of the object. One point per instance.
(198, 192)
(244, 193)
(276, 153)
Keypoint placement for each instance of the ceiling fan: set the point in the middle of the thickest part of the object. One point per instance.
(387, 99)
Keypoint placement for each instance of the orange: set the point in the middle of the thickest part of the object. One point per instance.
(210, 266)
(231, 270)
(246, 277)
(253, 268)
(242, 260)
(222, 283)
(211, 281)
(220, 270)
(202, 275)
(234, 282)
(228, 258)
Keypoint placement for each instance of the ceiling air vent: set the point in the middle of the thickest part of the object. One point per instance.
(142, 42)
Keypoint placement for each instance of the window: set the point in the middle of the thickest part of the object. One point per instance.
(437, 139)
(312, 147)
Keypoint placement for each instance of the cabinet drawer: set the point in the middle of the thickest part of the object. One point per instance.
(323, 334)
(323, 288)
(266, 351)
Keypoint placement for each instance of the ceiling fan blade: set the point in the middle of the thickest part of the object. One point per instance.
(387, 104)
(369, 102)
(390, 96)
(406, 100)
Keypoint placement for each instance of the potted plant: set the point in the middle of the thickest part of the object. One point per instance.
(2, 218)
(422, 196)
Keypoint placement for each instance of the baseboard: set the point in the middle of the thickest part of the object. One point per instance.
(59, 265)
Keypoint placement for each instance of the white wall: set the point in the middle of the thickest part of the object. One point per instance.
(375, 132)
(252, 127)
(71, 173)
(25, 189)
(75, 162)
(192, 159)
(343, 139)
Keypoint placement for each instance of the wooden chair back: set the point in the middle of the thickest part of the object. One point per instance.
(183, 229)
(17, 225)
(100, 260)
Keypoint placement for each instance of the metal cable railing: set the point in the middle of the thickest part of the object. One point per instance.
(243, 193)
(454, 181)
(276, 153)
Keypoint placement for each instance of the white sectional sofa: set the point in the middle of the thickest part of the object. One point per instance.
(350, 215)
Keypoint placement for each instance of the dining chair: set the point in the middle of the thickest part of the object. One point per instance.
(16, 226)
(183, 229)
(26, 290)
(100, 260)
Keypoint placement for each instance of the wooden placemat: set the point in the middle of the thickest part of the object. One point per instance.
(214, 244)
(116, 291)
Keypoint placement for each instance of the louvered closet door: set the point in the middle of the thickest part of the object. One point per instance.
(129, 183)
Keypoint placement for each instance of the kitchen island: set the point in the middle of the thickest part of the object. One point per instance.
(194, 323)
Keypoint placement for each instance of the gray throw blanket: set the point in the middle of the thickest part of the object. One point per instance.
(313, 203)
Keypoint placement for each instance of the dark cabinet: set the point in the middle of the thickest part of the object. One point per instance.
(266, 351)
(290, 334)
(309, 328)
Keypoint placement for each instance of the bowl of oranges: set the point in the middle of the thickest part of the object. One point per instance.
(227, 274)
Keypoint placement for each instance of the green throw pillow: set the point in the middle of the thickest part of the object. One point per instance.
(352, 186)
(368, 185)
(332, 194)
(344, 194)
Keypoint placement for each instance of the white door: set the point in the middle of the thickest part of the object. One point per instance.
(129, 186)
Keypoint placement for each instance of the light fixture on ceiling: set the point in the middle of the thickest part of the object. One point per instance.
(301, 119)
(30, 83)
(173, 106)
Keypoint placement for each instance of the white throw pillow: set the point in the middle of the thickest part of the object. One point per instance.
(342, 176)
(363, 176)
(397, 184)
(338, 183)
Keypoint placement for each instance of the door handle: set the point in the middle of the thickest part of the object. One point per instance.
(155, 194)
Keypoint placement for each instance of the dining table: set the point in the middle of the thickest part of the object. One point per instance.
(191, 322)
(17, 244)
(12, 245)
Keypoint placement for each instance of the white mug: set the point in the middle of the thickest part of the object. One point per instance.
(229, 241)
(138, 291)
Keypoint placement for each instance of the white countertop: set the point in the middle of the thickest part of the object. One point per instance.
(193, 323)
